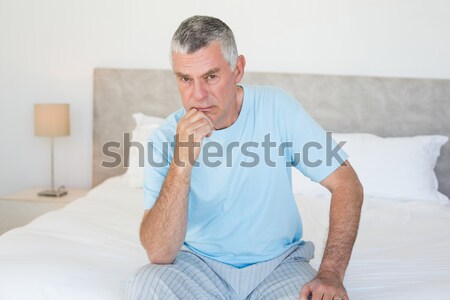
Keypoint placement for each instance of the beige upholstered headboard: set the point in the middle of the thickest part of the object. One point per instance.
(383, 106)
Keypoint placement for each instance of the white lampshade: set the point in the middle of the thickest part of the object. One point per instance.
(51, 120)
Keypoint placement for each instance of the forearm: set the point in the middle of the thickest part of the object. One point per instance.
(345, 212)
(163, 229)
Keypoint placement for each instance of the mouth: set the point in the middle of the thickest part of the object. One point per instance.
(204, 108)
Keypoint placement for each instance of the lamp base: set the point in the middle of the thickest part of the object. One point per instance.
(53, 193)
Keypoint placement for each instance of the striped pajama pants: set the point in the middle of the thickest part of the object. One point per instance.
(195, 277)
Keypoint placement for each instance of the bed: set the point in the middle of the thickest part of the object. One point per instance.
(88, 248)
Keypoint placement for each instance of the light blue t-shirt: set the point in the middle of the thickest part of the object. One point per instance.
(241, 208)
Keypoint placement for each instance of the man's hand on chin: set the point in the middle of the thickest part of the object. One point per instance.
(324, 287)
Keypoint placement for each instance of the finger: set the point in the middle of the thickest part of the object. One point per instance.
(202, 132)
(209, 120)
(304, 293)
(201, 114)
(198, 115)
(186, 118)
(339, 296)
(191, 112)
(198, 129)
(199, 123)
(328, 296)
(345, 297)
(193, 122)
(210, 124)
(317, 295)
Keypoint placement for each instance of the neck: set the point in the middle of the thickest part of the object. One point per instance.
(236, 107)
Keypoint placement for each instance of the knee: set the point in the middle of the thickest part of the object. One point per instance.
(286, 281)
(147, 283)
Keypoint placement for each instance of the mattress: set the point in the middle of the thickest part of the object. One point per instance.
(87, 249)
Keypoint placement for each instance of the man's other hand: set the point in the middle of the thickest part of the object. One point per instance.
(324, 287)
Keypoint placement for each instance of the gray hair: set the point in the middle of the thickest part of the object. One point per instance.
(197, 32)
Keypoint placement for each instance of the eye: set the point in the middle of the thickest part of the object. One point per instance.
(184, 78)
(211, 76)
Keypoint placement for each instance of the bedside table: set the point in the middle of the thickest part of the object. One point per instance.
(22, 207)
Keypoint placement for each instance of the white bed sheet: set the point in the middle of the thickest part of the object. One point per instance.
(85, 250)
(82, 251)
(402, 250)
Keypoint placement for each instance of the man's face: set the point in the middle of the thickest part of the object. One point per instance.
(206, 82)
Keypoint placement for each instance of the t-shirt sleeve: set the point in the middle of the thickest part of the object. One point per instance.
(314, 152)
(155, 169)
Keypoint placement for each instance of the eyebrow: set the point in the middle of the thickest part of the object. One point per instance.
(210, 72)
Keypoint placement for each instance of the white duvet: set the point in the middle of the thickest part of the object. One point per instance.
(86, 250)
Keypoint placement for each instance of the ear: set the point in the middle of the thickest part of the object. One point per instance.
(239, 69)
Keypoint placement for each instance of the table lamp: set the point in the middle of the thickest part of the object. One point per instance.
(52, 120)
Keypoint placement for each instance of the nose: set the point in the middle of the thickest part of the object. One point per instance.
(200, 91)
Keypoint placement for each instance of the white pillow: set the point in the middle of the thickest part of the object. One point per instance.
(145, 125)
(397, 167)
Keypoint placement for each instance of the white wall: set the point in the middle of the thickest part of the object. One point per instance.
(49, 48)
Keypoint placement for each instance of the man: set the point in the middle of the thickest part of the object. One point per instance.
(229, 228)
